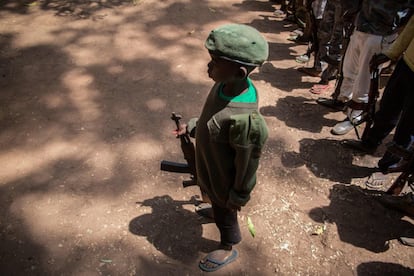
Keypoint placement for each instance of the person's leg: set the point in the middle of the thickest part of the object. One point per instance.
(405, 126)
(391, 105)
(372, 44)
(367, 45)
(402, 99)
(227, 223)
(334, 54)
(350, 66)
(349, 70)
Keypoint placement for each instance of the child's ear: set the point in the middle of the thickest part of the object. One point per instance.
(242, 73)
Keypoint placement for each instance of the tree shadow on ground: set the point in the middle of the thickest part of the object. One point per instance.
(278, 51)
(325, 159)
(79, 8)
(173, 230)
(63, 118)
(382, 268)
(360, 219)
(300, 113)
(285, 79)
(255, 6)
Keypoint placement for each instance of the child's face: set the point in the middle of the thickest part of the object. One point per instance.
(222, 70)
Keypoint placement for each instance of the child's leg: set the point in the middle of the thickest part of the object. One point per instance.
(226, 221)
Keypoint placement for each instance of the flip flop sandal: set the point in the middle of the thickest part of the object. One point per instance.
(214, 263)
(204, 209)
(376, 181)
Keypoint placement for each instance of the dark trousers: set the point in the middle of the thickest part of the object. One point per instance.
(226, 221)
(396, 110)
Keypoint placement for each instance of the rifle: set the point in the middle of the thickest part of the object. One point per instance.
(369, 108)
(372, 101)
(405, 166)
(187, 148)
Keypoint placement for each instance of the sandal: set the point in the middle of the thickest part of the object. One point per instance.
(211, 263)
(376, 181)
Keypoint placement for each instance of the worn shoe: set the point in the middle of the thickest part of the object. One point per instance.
(342, 128)
(332, 103)
(406, 241)
(360, 146)
(302, 59)
(354, 118)
(403, 203)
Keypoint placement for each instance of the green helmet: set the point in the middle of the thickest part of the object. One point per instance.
(239, 43)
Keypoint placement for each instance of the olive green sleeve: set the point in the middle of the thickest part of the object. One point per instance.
(400, 45)
(248, 134)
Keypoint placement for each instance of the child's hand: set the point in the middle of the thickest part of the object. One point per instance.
(182, 130)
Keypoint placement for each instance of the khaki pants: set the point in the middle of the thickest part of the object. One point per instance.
(361, 49)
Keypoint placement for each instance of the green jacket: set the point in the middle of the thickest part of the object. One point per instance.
(229, 141)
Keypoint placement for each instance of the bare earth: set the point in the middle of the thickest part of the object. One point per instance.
(86, 92)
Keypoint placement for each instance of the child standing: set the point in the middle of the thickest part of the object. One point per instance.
(230, 132)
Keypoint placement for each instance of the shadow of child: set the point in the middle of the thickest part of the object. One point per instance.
(173, 230)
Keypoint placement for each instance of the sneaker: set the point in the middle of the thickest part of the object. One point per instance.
(356, 116)
(406, 241)
(302, 59)
(342, 128)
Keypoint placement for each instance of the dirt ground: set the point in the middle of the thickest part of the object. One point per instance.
(87, 90)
